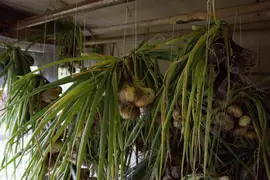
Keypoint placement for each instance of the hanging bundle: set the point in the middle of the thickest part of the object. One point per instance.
(112, 90)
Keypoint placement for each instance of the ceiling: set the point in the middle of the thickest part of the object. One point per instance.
(150, 9)
(146, 9)
(139, 10)
(38, 6)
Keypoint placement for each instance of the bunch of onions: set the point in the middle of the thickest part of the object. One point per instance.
(131, 99)
(243, 127)
(235, 120)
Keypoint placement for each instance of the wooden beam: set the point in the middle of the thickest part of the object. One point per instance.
(191, 17)
(88, 5)
(245, 27)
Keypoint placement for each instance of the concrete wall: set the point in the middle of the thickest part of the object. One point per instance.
(40, 60)
(259, 43)
(256, 41)
(42, 54)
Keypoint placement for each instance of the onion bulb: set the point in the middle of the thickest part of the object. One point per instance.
(85, 174)
(167, 178)
(177, 124)
(43, 104)
(224, 178)
(146, 97)
(177, 115)
(50, 95)
(240, 131)
(129, 111)
(224, 121)
(127, 94)
(176, 172)
(145, 109)
(79, 134)
(251, 135)
(56, 147)
(195, 27)
(244, 121)
(216, 130)
(235, 111)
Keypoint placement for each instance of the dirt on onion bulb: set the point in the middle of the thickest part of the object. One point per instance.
(244, 121)
(129, 111)
(177, 115)
(251, 135)
(240, 131)
(235, 111)
(145, 97)
(224, 121)
(127, 94)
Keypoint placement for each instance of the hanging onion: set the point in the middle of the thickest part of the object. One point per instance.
(56, 147)
(224, 121)
(224, 178)
(145, 109)
(167, 178)
(251, 135)
(176, 172)
(129, 111)
(145, 97)
(235, 111)
(177, 115)
(240, 131)
(244, 121)
(50, 95)
(177, 124)
(127, 94)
